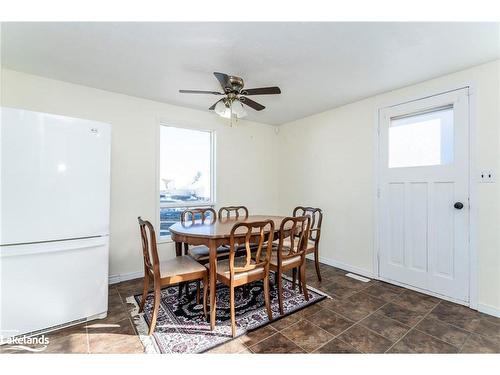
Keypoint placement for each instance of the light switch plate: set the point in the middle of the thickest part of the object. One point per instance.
(487, 176)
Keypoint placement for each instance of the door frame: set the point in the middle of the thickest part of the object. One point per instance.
(473, 211)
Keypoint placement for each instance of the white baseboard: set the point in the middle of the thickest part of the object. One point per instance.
(487, 309)
(115, 279)
(343, 266)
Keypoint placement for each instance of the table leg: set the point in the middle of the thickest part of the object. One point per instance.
(178, 249)
(178, 252)
(213, 280)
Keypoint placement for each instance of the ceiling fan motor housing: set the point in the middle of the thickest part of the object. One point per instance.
(236, 83)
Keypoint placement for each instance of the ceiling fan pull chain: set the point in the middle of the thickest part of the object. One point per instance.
(231, 110)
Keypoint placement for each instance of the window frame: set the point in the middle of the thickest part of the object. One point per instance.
(159, 205)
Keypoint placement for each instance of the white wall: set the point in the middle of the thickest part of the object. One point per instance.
(246, 156)
(328, 160)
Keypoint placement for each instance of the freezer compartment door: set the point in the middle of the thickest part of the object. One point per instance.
(55, 177)
(45, 285)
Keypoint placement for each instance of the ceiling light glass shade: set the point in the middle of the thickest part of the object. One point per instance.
(235, 109)
(238, 109)
(226, 113)
(222, 109)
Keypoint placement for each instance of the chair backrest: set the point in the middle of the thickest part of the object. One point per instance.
(316, 215)
(149, 249)
(296, 229)
(259, 235)
(204, 214)
(233, 211)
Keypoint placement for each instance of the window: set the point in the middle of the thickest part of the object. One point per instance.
(186, 173)
(421, 139)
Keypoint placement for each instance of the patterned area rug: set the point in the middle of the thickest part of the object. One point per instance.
(181, 327)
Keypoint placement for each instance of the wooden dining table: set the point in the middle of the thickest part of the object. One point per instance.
(214, 235)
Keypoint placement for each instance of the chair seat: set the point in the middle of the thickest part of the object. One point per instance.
(286, 242)
(274, 258)
(202, 252)
(223, 269)
(183, 265)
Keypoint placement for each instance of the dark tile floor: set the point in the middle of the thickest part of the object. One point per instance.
(372, 317)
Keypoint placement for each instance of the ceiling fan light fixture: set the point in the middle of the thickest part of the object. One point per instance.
(222, 109)
(238, 109)
(226, 113)
(233, 109)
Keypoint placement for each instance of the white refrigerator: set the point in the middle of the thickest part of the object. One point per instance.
(54, 222)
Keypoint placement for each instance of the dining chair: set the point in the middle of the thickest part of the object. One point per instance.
(193, 216)
(233, 212)
(202, 214)
(242, 270)
(290, 253)
(316, 215)
(200, 253)
(237, 212)
(165, 273)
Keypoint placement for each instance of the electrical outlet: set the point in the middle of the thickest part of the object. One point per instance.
(487, 176)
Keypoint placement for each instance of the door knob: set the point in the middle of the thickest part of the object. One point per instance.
(458, 205)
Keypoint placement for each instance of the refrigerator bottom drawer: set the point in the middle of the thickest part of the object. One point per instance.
(50, 286)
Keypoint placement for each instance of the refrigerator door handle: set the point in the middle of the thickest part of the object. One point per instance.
(51, 247)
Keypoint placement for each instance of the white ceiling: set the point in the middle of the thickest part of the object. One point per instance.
(317, 65)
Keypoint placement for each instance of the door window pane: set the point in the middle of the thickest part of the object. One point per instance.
(422, 139)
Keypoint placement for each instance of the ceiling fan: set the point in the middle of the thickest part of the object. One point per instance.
(231, 105)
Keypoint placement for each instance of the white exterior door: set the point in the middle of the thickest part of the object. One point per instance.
(424, 194)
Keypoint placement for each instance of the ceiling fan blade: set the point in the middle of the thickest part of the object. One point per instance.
(213, 106)
(251, 103)
(261, 91)
(224, 81)
(200, 92)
